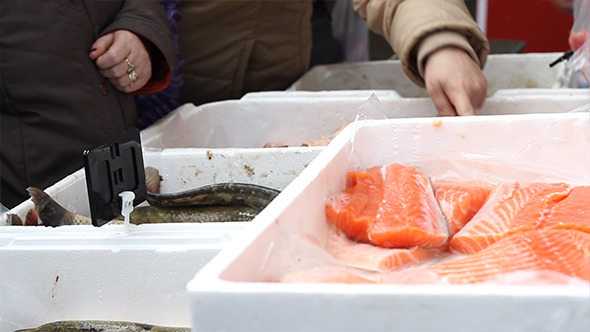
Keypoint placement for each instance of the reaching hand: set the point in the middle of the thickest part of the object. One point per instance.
(456, 84)
(122, 58)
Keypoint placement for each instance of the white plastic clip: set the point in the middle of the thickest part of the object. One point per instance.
(127, 198)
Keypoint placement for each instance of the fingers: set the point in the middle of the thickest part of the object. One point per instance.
(101, 45)
(113, 51)
(128, 78)
(441, 101)
(457, 98)
(464, 99)
(455, 82)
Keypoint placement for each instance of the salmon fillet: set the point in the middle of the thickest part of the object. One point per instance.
(390, 206)
(511, 207)
(543, 256)
(534, 257)
(460, 200)
(563, 251)
(573, 212)
(370, 257)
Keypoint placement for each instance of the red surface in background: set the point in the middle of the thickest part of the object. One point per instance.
(539, 23)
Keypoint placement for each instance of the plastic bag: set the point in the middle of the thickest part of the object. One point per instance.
(351, 30)
(579, 39)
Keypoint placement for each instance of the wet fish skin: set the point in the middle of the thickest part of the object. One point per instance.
(14, 220)
(102, 326)
(239, 206)
(31, 219)
(199, 214)
(51, 213)
(245, 194)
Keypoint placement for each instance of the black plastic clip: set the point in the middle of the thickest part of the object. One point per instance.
(112, 168)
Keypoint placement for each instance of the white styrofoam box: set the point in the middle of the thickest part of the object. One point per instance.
(184, 169)
(259, 118)
(293, 117)
(86, 273)
(223, 141)
(503, 71)
(235, 292)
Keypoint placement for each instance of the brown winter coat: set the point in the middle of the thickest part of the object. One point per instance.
(234, 47)
(416, 28)
(54, 102)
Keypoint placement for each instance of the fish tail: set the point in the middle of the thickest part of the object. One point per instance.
(14, 220)
(51, 213)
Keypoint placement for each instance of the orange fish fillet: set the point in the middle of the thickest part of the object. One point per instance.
(389, 206)
(573, 212)
(369, 257)
(563, 251)
(544, 256)
(460, 200)
(510, 208)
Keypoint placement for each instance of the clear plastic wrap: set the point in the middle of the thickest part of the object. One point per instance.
(291, 234)
(579, 39)
(540, 149)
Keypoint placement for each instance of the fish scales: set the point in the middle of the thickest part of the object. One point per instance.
(180, 214)
(217, 194)
(213, 203)
(102, 326)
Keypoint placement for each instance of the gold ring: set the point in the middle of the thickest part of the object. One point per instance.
(131, 66)
(132, 77)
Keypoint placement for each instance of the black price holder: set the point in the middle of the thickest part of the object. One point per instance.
(112, 168)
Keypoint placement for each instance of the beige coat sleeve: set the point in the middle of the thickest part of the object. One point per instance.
(416, 28)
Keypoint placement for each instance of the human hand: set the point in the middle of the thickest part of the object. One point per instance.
(111, 51)
(577, 39)
(455, 83)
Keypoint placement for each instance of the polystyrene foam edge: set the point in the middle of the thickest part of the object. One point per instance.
(273, 211)
(326, 94)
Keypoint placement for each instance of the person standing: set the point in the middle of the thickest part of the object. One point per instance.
(231, 48)
(68, 73)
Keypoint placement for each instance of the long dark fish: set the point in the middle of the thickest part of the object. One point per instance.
(211, 203)
(102, 326)
(180, 214)
(164, 208)
(245, 194)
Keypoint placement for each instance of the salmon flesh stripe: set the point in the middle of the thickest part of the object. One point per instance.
(561, 250)
(391, 206)
(573, 212)
(510, 208)
(460, 200)
(370, 257)
(543, 256)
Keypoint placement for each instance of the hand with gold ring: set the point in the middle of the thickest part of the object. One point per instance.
(131, 72)
(122, 58)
